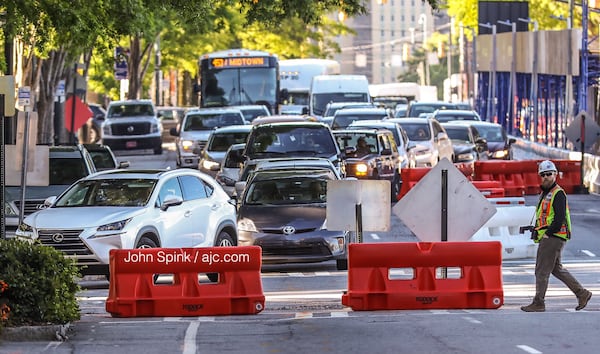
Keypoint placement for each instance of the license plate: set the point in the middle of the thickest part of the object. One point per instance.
(131, 144)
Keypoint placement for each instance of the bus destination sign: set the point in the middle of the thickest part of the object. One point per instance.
(239, 62)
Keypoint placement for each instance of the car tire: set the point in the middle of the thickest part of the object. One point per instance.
(396, 186)
(224, 239)
(146, 242)
(341, 264)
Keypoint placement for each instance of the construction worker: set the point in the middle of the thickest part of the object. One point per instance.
(552, 230)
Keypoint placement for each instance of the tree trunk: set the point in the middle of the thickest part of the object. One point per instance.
(139, 60)
(50, 71)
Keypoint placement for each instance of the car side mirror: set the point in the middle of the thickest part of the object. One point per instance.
(49, 201)
(512, 141)
(304, 110)
(170, 201)
(123, 164)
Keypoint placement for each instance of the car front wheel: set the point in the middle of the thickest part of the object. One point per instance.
(146, 242)
(223, 240)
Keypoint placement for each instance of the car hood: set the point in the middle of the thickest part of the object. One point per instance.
(80, 217)
(195, 135)
(462, 147)
(273, 217)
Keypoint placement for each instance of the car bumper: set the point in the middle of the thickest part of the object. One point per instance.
(133, 143)
(317, 246)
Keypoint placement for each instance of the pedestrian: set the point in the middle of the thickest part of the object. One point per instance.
(552, 230)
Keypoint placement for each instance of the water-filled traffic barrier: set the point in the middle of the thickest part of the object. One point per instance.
(424, 275)
(490, 189)
(507, 172)
(138, 287)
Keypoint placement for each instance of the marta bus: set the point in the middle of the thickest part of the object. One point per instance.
(295, 77)
(239, 77)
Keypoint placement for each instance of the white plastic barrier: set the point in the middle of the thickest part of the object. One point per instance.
(504, 227)
(507, 201)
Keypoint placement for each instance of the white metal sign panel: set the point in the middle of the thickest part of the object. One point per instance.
(373, 196)
(421, 208)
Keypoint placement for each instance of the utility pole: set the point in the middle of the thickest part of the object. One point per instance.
(534, 78)
(513, 76)
(157, 80)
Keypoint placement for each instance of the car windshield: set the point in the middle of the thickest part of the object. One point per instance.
(322, 99)
(108, 192)
(352, 140)
(442, 118)
(295, 190)
(290, 141)
(492, 133)
(211, 121)
(458, 134)
(417, 131)
(222, 141)
(251, 113)
(130, 110)
(344, 120)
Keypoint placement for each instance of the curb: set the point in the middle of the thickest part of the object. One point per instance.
(35, 333)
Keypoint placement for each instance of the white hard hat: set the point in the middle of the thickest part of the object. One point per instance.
(546, 166)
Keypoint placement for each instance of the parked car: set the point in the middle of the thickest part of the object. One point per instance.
(428, 139)
(447, 115)
(291, 139)
(284, 213)
(219, 141)
(229, 173)
(133, 209)
(195, 129)
(169, 118)
(406, 155)
(379, 160)
(66, 165)
(416, 108)
(468, 145)
(132, 124)
(104, 158)
(344, 117)
(251, 112)
(498, 142)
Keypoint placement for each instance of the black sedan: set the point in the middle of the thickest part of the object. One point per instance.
(468, 146)
(284, 212)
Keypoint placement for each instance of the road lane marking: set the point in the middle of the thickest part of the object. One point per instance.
(339, 314)
(472, 320)
(189, 341)
(375, 236)
(528, 349)
(588, 253)
(303, 315)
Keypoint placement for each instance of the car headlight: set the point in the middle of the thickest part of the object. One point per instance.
(187, 145)
(106, 129)
(500, 154)
(209, 164)
(336, 245)
(155, 128)
(24, 230)
(361, 169)
(246, 225)
(8, 209)
(114, 226)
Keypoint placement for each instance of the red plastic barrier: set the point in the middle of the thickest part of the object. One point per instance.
(134, 293)
(507, 172)
(410, 177)
(478, 286)
(570, 175)
(490, 189)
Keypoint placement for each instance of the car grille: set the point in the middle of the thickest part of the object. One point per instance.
(306, 249)
(141, 128)
(70, 244)
(199, 144)
(31, 206)
(280, 231)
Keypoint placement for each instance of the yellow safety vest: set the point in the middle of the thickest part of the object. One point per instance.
(545, 216)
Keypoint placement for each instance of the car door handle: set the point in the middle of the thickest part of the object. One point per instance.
(187, 214)
(214, 207)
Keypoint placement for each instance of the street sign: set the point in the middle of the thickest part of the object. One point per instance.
(120, 67)
(82, 113)
(421, 208)
(24, 96)
(60, 89)
(592, 131)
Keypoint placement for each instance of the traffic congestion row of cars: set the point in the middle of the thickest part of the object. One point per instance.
(245, 180)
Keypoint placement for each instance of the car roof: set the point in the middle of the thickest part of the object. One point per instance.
(128, 102)
(283, 118)
(298, 123)
(142, 173)
(476, 123)
(449, 112)
(250, 106)
(263, 175)
(374, 122)
(213, 110)
(412, 120)
(361, 110)
(358, 131)
(96, 147)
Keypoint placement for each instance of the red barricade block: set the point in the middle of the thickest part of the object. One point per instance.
(490, 189)
(134, 292)
(371, 285)
(507, 172)
(569, 174)
(410, 177)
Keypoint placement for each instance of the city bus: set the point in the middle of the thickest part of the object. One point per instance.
(239, 77)
(295, 77)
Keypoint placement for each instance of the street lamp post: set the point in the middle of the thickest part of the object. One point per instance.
(491, 106)
(423, 21)
(472, 82)
(534, 79)
(513, 75)
(157, 80)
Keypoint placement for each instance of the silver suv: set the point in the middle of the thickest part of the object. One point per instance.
(132, 124)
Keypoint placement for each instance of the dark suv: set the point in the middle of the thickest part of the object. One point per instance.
(66, 165)
(371, 154)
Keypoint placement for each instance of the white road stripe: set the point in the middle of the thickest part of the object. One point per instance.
(588, 253)
(528, 349)
(375, 236)
(189, 341)
(472, 320)
(302, 315)
(339, 314)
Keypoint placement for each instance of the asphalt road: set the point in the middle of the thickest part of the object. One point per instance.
(303, 311)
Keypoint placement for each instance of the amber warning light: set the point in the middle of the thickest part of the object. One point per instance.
(239, 62)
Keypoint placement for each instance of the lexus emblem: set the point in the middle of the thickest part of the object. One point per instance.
(130, 129)
(289, 230)
(58, 237)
